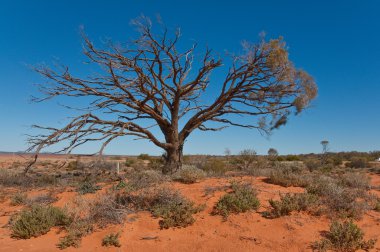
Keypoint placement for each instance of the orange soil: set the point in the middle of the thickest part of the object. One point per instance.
(242, 232)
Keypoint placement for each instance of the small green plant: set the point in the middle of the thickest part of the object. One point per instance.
(241, 199)
(289, 203)
(344, 236)
(87, 187)
(37, 221)
(19, 199)
(111, 240)
(190, 174)
(121, 185)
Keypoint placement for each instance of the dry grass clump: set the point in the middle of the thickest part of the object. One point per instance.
(111, 240)
(189, 174)
(143, 179)
(38, 221)
(289, 176)
(345, 237)
(87, 186)
(241, 199)
(292, 202)
(19, 198)
(9, 178)
(339, 201)
(174, 209)
(355, 180)
(214, 167)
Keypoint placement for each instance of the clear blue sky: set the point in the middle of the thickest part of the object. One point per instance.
(338, 42)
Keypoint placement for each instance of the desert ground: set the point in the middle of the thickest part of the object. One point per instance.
(55, 181)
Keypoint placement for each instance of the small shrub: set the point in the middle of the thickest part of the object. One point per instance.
(75, 231)
(214, 167)
(190, 174)
(358, 162)
(37, 221)
(111, 240)
(19, 199)
(289, 203)
(338, 200)
(288, 176)
(174, 209)
(144, 179)
(105, 211)
(355, 180)
(241, 199)
(345, 237)
(88, 187)
(312, 164)
(121, 185)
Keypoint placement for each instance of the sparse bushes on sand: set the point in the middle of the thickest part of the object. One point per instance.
(338, 200)
(174, 209)
(143, 179)
(289, 176)
(214, 167)
(344, 236)
(87, 186)
(291, 202)
(37, 221)
(111, 240)
(241, 199)
(189, 174)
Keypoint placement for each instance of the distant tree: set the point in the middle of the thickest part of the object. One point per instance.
(149, 84)
(272, 153)
(246, 158)
(227, 152)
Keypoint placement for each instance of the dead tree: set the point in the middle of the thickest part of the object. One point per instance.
(150, 83)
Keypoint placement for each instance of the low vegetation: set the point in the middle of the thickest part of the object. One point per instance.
(292, 202)
(242, 198)
(189, 174)
(38, 221)
(87, 186)
(344, 236)
(111, 240)
(173, 208)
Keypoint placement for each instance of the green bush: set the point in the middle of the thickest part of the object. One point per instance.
(121, 185)
(88, 187)
(37, 221)
(75, 231)
(189, 174)
(345, 237)
(111, 240)
(289, 203)
(241, 199)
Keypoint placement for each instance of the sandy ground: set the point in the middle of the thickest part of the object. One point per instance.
(243, 232)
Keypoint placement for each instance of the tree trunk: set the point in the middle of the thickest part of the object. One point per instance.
(173, 159)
